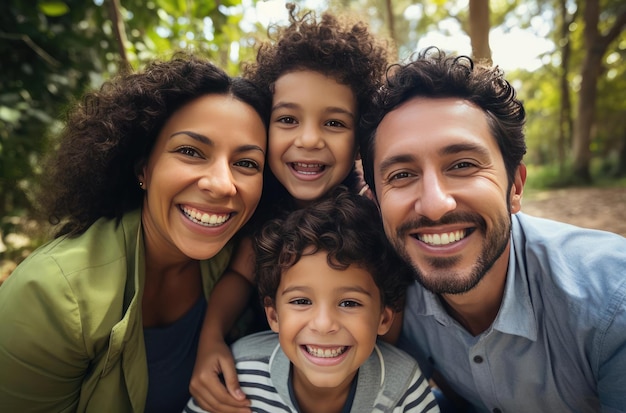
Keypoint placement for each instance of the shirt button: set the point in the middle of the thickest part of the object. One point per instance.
(479, 359)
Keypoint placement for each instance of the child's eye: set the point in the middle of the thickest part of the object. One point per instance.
(188, 150)
(349, 303)
(335, 124)
(286, 119)
(300, 301)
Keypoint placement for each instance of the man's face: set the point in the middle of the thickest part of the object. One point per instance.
(443, 192)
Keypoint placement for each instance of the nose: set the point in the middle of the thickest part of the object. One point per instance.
(435, 199)
(218, 180)
(324, 320)
(310, 137)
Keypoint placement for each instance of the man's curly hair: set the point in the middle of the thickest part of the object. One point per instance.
(347, 227)
(109, 135)
(343, 49)
(434, 74)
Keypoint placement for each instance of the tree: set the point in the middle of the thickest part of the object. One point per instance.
(479, 27)
(596, 45)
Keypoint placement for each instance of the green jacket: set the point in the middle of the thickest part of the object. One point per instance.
(71, 333)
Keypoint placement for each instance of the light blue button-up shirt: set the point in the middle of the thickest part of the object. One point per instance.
(558, 343)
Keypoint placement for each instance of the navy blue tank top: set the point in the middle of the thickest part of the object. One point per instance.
(171, 354)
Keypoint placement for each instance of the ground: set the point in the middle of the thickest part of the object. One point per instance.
(599, 208)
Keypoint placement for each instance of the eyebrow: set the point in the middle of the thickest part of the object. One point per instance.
(207, 141)
(351, 288)
(447, 150)
(329, 109)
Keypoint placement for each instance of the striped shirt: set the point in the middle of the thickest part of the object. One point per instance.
(389, 381)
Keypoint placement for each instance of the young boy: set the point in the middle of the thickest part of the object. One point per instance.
(330, 283)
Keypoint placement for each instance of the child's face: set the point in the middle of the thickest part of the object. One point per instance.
(312, 145)
(327, 321)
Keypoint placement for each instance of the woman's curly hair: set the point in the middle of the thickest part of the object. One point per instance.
(343, 49)
(347, 227)
(109, 135)
(434, 74)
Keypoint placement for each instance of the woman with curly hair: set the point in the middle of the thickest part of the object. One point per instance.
(154, 175)
(322, 74)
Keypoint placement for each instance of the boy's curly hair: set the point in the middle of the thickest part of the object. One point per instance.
(347, 227)
(343, 49)
(109, 135)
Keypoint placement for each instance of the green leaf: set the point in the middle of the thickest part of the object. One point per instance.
(53, 8)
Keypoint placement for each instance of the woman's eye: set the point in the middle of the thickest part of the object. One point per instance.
(247, 163)
(300, 301)
(187, 150)
(349, 303)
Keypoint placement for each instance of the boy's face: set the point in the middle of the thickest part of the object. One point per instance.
(327, 321)
(312, 145)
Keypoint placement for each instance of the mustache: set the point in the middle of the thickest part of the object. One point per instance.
(448, 219)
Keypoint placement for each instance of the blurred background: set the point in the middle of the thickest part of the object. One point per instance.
(566, 58)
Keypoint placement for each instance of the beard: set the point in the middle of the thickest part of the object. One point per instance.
(444, 278)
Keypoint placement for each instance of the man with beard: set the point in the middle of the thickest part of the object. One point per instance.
(516, 313)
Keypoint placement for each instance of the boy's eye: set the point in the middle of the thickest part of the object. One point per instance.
(286, 119)
(349, 303)
(300, 301)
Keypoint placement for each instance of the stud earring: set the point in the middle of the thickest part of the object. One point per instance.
(140, 184)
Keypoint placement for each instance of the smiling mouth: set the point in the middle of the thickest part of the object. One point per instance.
(307, 168)
(444, 238)
(325, 352)
(203, 218)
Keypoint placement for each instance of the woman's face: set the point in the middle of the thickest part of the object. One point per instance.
(204, 177)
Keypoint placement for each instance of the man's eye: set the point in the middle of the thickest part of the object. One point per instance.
(399, 175)
(463, 165)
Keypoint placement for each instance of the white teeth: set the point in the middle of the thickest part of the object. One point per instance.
(325, 352)
(308, 165)
(442, 239)
(205, 219)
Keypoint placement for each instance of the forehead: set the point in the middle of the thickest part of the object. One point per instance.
(425, 127)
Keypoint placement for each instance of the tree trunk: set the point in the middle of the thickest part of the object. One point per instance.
(479, 31)
(565, 111)
(596, 45)
(120, 32)
(391, 22)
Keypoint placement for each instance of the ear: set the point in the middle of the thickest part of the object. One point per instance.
(386, 319)
(272, 316)
(517, 189)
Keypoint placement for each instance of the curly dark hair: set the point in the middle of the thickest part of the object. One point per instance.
(110, 132)
(343, 49)
(437, 75)
(348, 228)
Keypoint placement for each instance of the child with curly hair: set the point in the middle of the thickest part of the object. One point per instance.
(322, 74)
(330, 282)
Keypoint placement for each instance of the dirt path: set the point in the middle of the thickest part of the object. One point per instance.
(599, 208)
